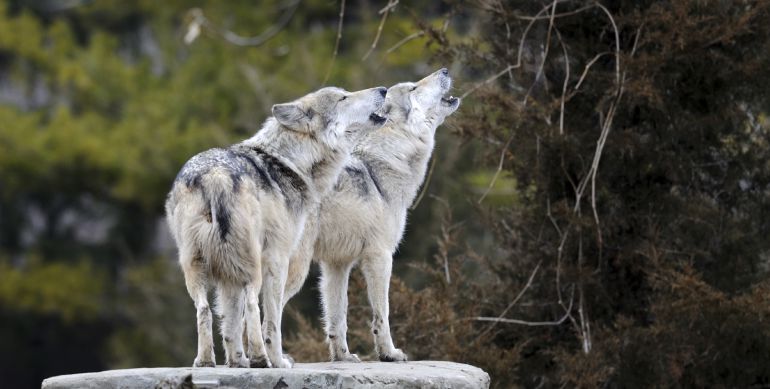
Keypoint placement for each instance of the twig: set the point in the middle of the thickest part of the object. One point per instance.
(402, 42)
(200, 20)
(523, 322)
(515, 300)
(617, 42)
(587, 67)
(607, 123)
(384, 12)
(545, 51)
(585, 325)
(551, 218)
(559, 254)
(336, 42)
(499, 169)
(532, 21)
(488, 80)
(566, 81)
(567, 315)
(509, 67)
(561, 15)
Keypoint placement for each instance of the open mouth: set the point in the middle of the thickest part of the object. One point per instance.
(449, 101)
(377, 118)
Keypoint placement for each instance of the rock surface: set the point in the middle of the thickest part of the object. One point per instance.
(420, 374)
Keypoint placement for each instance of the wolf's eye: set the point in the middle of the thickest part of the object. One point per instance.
(413, 89)
(343, 98)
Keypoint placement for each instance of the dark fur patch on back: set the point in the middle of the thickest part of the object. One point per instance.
(256, 171)
(277, 170)
(375, 180)
(287, 179)
(270, 173)
(317, 167)
(358, 179)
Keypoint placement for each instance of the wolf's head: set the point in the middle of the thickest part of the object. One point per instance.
(421, 105)
(333, 115)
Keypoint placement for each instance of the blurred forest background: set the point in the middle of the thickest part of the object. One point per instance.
(597, 212)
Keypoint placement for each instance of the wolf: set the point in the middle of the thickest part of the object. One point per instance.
(237, 214)
(362, 220)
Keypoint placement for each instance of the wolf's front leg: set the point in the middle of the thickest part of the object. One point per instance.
(377, 271)
(274, 281)
(334, 294)
(299, 267)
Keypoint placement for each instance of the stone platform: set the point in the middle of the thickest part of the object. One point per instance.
(419, 374)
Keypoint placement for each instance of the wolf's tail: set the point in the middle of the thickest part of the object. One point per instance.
(226, 239)
(217, 190)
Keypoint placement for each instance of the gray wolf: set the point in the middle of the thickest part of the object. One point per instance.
(237, 214)
(362, 220)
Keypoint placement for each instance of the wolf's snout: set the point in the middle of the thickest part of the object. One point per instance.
(444, 71)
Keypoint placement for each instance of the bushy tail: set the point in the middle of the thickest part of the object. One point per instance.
(226, 239)
(218, 194)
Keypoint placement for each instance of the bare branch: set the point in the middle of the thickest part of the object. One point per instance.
(515, 300)
(384, 12)
(523, 38)
(336, 43)
(587, 67)
(200, 20)
(567, 315)
(488, 80)
(607, 123)
(499, 169)
(405, 40)
(545, 52)
(566, 81)
(523, 322)
(617, 42)
(560, 15)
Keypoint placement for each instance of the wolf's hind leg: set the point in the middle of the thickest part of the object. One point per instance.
(231, 304)
(377, 270)
(196, 281)
(334, 294)
(256, 346)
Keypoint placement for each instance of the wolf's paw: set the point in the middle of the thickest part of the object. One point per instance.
(289, 358)
(395, 355)
(283, 363)
(348, 357)
(259, 362)
(201, 363)
(238, 362)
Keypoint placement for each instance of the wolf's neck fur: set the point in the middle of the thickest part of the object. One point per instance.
(401, 156)
(316, 162)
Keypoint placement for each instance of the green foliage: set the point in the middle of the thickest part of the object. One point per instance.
(157, 330)
(71, 291)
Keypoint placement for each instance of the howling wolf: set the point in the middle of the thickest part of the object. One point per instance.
(362, 220)
(237, 214)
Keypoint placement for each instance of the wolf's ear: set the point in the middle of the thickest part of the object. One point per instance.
(290, 115)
